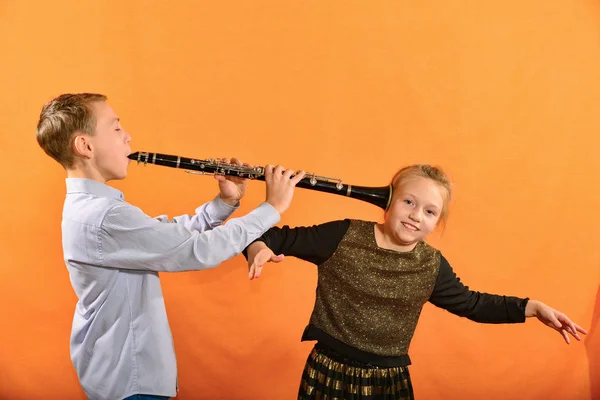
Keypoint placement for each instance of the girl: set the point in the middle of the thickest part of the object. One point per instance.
(373, 280)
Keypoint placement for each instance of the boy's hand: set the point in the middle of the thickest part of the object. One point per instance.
(231, 188)
(280, 186)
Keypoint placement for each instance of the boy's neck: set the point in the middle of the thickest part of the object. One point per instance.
(86, 173)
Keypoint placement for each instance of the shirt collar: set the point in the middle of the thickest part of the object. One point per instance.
(89, 186)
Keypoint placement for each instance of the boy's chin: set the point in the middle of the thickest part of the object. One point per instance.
(118, 177)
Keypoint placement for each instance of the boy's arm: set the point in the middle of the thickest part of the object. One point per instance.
(208, 215)
(130, 239)
(212, 214)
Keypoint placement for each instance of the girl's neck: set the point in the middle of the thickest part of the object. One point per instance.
(386, 241)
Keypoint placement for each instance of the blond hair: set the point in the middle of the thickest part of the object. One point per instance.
(60, 119)
(436, 174)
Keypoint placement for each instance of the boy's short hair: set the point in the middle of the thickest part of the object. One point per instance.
(60, 119)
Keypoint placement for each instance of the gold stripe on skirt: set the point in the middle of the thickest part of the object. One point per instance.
(327, 379)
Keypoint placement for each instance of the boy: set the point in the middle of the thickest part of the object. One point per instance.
(121, 343)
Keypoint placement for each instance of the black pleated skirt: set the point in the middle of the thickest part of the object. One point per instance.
(329, 375)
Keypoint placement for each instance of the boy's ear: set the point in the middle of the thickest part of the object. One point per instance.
(82, 146)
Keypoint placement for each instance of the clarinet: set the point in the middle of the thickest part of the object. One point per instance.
(379, 196)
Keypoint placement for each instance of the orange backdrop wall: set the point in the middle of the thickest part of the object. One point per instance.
(504, 95)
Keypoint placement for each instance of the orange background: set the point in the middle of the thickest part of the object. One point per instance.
(504, 95)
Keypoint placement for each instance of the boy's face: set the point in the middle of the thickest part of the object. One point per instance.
(110, 143)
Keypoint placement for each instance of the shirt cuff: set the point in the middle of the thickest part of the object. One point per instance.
(516, 308)
(220, 210)
(267, 215)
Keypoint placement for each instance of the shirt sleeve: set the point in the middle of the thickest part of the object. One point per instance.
(130, 239)
(450, 294)
(207, 216)
(315, 244)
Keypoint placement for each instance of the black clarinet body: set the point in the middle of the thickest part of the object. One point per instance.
(379, 196)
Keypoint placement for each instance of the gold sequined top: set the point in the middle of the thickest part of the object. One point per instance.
(371, 298)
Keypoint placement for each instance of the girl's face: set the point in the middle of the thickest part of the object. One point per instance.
(414, 212)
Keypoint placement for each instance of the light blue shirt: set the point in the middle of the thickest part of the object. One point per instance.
(121, 342)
